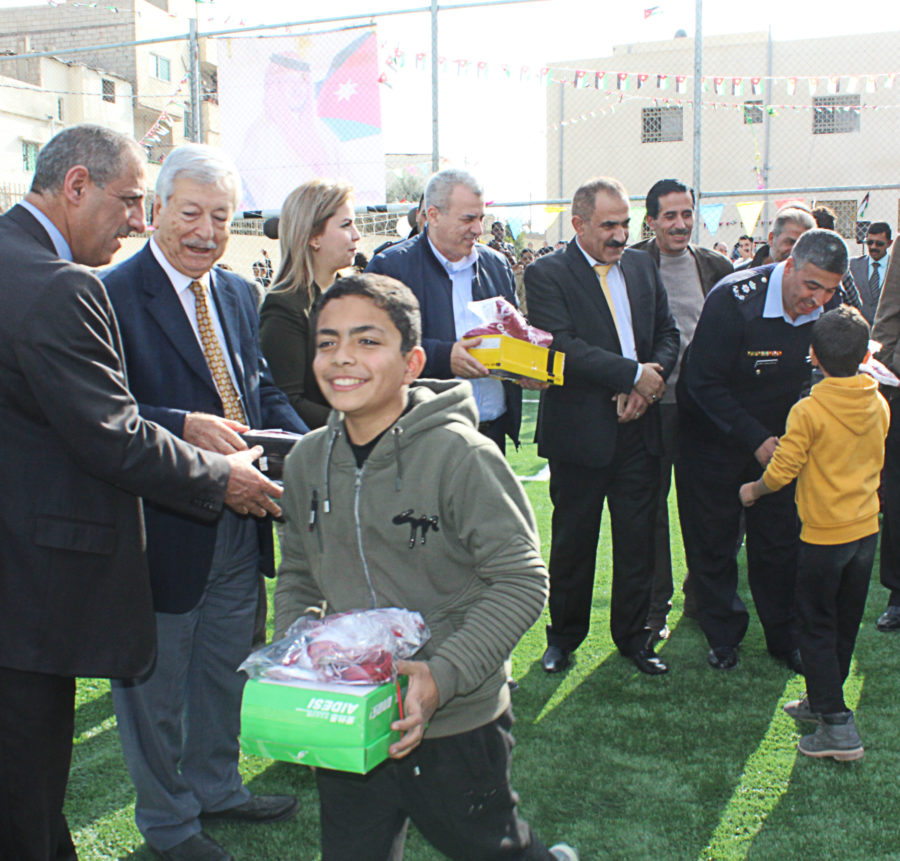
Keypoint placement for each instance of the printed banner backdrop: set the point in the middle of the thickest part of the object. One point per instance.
(294, 108)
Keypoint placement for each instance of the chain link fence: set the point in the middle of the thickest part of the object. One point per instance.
(808, 120)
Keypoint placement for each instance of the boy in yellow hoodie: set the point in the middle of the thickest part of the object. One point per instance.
(834, 445)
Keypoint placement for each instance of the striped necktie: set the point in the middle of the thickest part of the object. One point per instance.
(875, 281)
(212, 351)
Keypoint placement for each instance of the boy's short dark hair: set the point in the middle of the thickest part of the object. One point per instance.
(840, 339)
(389, 294)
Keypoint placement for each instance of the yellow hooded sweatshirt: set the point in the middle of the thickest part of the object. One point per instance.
(834, 442)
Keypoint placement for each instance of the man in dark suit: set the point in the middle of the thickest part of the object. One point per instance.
(607, 310)
(192, 350)
(74, 591)
(868, 270)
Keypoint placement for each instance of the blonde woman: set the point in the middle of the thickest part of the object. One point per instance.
(318, 237)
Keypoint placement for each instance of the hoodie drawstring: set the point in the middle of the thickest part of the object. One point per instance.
(396, 431)
(326, 507)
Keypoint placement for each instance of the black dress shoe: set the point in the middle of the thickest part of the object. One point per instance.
(723, 657)
(257, 808)
(198, 847)
(647, 661)
(555, 659)
(889, 620)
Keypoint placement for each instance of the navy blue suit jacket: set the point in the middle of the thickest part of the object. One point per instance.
(413, 262)
(169, 377)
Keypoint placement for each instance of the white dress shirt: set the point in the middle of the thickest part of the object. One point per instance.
(181, 283)
(489, 395)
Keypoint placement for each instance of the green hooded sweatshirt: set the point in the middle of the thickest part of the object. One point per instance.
(434, 521)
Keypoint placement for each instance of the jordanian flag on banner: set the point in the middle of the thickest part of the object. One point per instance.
(348, 97)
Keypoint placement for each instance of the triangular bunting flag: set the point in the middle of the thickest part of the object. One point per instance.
(711, 213)
(749, 213)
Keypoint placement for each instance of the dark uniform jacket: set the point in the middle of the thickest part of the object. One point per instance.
(742, 372)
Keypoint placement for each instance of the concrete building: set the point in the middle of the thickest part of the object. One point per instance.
(54, 94)
(157, 72)
(796, 115)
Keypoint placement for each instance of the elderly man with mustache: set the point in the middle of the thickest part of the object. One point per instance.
(688, 273)
(191, 342)
(608, 311)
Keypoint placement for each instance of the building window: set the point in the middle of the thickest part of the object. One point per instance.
(109, 90)
(59, 109)
(159, 68)
(753, 112)
(834, 115)
(662, 124)
(29, 155)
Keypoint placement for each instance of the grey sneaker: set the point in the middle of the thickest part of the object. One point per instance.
(835, 736)
(563, 852)
(799, 710)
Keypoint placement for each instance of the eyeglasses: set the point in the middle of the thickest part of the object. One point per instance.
(876, 243)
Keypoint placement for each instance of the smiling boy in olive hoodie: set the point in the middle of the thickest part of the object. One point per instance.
(834, 446)
(399, 501)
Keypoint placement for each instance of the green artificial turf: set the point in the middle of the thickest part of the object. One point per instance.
(693, 765)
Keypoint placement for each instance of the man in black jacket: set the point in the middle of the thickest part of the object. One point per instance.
(74, 589)
(447, 267)
(608, 312)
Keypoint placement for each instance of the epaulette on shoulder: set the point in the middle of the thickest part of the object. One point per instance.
(744, 289)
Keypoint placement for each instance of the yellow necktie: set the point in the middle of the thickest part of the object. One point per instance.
(602, 269)
(212, 351)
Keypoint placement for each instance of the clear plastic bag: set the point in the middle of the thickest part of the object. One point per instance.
(358, 647)
(500, 317)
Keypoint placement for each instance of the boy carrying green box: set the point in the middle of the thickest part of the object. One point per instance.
(399, 501)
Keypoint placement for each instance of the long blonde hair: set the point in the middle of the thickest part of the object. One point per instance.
(303, 217)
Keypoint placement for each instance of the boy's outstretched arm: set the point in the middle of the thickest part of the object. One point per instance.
(753, 490)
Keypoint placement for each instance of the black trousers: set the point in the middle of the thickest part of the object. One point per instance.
(708, 477)
(890, 496)
(455, 790)
(37, 716)
(629, 485)
(832, 585)
(663, 587)
(496, 431)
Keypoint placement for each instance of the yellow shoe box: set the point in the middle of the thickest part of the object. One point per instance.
(513, 359)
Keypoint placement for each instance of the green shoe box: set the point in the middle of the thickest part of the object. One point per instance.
(344, 727)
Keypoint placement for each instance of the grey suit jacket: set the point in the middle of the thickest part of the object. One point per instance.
(577, 422)
(74, 589)
(859, 269)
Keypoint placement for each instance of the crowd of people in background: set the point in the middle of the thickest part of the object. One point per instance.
(137, 546)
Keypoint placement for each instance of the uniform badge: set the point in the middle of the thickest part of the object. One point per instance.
(743, 290)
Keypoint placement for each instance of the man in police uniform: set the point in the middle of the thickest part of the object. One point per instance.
(745, 368)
